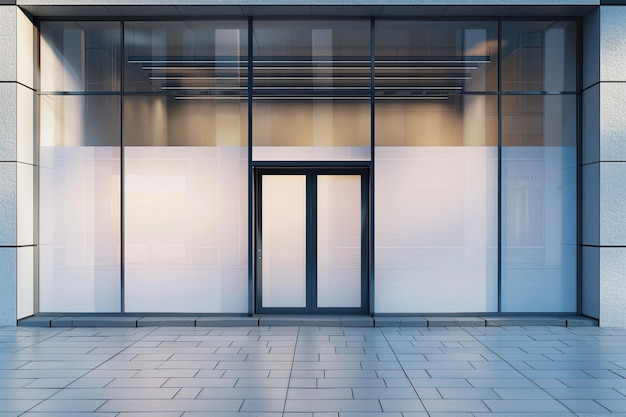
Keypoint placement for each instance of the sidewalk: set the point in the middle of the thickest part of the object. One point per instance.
(312, 371)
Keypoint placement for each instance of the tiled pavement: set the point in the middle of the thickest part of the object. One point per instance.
(312, 371)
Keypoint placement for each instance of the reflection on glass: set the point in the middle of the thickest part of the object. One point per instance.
(283, 250)
(436, 206)
(469, 120)
(417, 59)
(80, 196)
(197, 58)
(539, 56)
(311, 90)
(311, 130)
(339, 241)
(80, 56)
(162, 120)
(539, 203)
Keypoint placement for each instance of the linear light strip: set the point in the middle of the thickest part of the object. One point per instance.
(243, 98)
(290, 68)
(167, 77)
(364, 62)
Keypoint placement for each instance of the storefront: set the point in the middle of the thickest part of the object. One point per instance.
(342, 162)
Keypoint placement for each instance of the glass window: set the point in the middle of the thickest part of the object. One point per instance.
(80, 56)
(436, 205)
(311, 90)
(186, 167)
(539, 56)
(80, 228)
(196, 58)
(420, 59)
(539, 203)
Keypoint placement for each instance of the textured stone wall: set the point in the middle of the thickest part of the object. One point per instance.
(17, 166)
(604, 166)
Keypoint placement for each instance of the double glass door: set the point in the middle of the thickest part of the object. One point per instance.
(311, 240)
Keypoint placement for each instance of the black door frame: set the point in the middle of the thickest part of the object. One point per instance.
(311, 172)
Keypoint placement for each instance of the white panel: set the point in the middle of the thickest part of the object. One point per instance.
(8, 203)
(8, 127)
(311, 153)
(80, 229)
(436, 229)
(284, 241)
(339, 241)
(612, 204)
(8, 43)
(612, 34)
(612, 121)
(186, 229)
(25, 50)
(8, 281)
(25, 204)
(538, 229)
(25, 282)
(25, 125)
(612, 287)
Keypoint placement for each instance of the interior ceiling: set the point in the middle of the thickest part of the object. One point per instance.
(187, 11)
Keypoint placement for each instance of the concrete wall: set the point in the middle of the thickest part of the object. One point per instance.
(17, 166)
(604, 166)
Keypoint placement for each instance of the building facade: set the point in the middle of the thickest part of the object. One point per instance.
(353, 158)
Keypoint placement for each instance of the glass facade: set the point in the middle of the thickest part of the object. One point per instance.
(311, 90)
(150, 133)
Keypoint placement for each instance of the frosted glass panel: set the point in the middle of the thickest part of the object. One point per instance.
(186, 229)
(436, 229)
(339, 241)
(80, 227)
(284, 241)
(539, 204)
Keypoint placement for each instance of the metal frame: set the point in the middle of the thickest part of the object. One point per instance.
(311, 171)
(255, 166)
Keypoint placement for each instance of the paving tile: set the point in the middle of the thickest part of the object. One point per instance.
(537, 406)
(79, 405)
(243, 393)
(7, 394)
(260, 405)
(402, 405)
(332, 405)
(584, 406)
(351, 382)
(320, 394)
(50, 383)
(434, 405)
(148, 406)
(615, 406)
(439, 382)
(115, 393)
(580, 367)
(16, 405)
(468, 393)
(384, 393)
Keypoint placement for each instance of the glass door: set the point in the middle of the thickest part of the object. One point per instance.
(311, 241)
